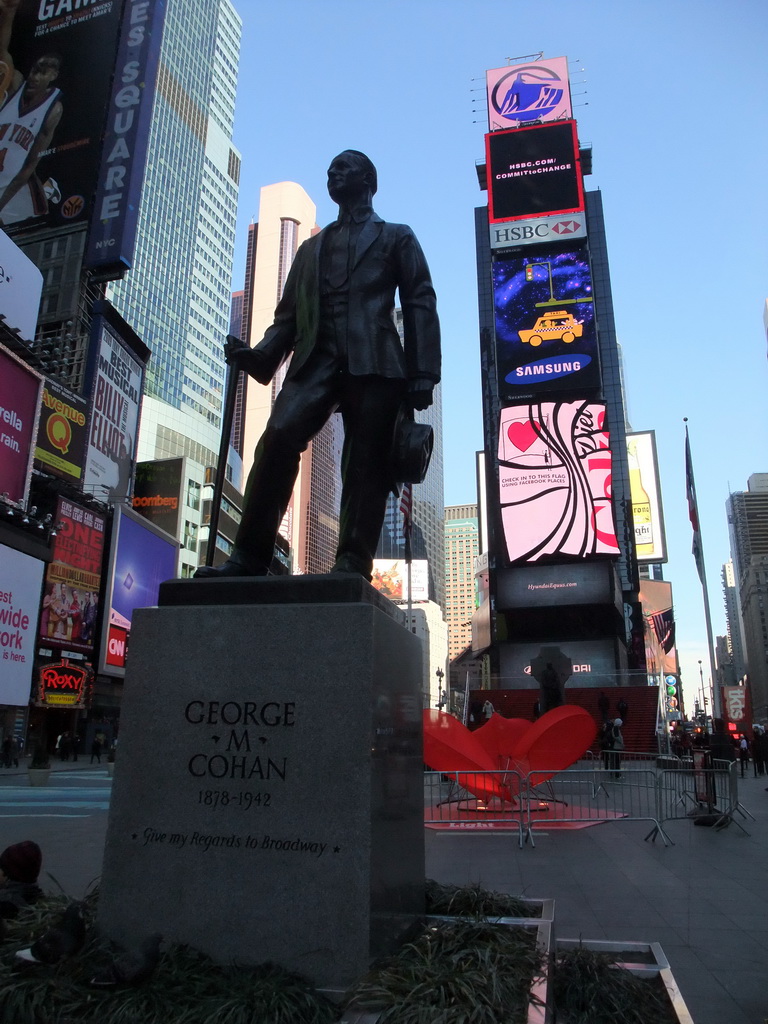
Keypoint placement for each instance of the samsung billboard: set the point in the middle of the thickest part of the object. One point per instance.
(554, 473)
(544, 316)
(533, 172)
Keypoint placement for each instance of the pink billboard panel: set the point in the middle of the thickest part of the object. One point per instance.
(534, 91)
(554, 462)
(20, 389)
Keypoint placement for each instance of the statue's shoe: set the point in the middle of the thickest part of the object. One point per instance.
(227, 569)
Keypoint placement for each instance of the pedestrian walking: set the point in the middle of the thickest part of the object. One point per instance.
(96, 749)
(603, 705)
(606, 743)
(743, 755)
(623, 708)
(488, 710)
(618, 746)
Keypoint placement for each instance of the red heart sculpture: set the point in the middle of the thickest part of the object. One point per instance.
(522, 435)
(550, 744)
(450, 747)
(499, 736)
(555, 741)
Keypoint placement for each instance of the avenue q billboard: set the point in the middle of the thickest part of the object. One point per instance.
(62, 55)
(546, 338)
(554, 466)
(533, 172)
(534, 91)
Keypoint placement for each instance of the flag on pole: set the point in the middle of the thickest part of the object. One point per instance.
(406, 507)
(693, 508)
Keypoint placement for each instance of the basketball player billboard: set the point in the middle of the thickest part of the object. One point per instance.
(56, 62)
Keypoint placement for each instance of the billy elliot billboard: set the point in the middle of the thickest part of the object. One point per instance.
(117, 358)
(115, 216)
(534, 91)
(60, 55)
(73, 579)
(546, 338)
(533, 172)
(554, 465)
(141, 557)
(62, 433)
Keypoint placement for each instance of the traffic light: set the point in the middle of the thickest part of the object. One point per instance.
(529, 272)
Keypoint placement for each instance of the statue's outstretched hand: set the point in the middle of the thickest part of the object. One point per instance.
(420, 392)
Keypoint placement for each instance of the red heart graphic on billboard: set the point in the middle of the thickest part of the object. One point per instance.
(522, 435)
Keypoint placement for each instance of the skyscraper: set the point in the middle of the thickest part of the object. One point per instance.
(748, 528)
(461, 549)
(177, 295)
(428, 538)
(287, 217)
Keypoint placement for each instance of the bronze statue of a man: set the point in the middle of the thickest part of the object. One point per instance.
(335, 317)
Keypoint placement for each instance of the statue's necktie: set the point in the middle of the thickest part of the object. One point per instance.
(339, 269)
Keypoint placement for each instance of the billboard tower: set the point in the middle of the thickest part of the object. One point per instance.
(563, 572)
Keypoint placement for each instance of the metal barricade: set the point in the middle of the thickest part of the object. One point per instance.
(696, 792)
(591, 796)
(472, 802)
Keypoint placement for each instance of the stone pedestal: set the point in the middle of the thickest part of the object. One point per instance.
(267, 800)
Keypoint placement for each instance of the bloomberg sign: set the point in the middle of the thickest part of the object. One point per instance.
(115, 217)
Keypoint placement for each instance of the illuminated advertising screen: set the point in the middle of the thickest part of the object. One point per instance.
(21, 285)
(390, 578)
(650, 542)
(594, 662)
(19, 409)
(63, 432)
(557, 586)
(554, 464)
(20, 580)
(157, 493)
(535, 91)
(73, 579)
(533, 172)
(546, 339)
(115, 216)
(116, 379)
(61, 57)
(736, 705)
(63, 685)
(659, 627)
(141, 558)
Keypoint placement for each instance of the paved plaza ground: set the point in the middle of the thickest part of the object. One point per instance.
(703, 899)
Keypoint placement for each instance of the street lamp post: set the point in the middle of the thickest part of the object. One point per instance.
(440, 697)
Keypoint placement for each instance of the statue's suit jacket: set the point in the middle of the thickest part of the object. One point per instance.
(386, 257)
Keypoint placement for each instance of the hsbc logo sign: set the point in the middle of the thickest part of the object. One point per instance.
(538, 229)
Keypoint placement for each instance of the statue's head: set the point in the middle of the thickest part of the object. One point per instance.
(350, 176)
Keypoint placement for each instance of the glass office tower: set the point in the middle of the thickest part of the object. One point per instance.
(177, 295)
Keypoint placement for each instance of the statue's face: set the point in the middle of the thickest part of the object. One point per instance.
(346, 178)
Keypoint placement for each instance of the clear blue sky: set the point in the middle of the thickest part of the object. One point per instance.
(672, 100)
